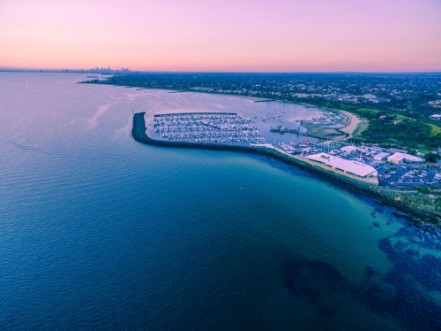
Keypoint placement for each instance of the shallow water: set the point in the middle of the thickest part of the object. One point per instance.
(100, 231)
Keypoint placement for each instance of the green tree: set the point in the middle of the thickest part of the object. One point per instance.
(431, 157)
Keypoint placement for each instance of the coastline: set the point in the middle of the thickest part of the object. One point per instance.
(354, 122)
(389, 197)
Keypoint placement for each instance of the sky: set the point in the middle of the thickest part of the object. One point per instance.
(227, 35)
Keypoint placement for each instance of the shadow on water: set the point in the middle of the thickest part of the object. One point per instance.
(409, 292)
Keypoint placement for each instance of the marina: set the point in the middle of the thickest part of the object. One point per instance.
(206, 127)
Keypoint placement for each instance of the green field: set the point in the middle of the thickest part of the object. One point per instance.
(435, 130)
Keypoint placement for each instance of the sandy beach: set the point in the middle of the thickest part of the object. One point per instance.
(354, 121)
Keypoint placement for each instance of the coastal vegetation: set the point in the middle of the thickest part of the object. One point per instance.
(389, 129)
(393, 130)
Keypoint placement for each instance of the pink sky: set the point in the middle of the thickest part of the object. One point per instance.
(228, 35)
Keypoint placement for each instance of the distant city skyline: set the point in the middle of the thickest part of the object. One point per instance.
(172, 35)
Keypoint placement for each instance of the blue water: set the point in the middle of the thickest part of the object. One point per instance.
(98, 231)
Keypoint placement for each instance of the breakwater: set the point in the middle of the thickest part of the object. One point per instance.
(410, 204)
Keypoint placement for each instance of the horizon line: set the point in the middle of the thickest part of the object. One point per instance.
(128, 70)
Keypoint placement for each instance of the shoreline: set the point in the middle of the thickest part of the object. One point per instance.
(354, 122)
(350, 182)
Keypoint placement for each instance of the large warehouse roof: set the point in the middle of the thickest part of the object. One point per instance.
(349, 166)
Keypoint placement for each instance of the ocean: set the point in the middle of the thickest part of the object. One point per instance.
(99, 231)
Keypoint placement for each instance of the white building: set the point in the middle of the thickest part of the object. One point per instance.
(436, 117)
(381, 156)
(404, 157)
(347, 166)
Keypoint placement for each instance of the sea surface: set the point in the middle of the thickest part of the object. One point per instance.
(98, 231)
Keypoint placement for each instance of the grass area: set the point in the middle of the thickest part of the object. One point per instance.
(404, 118)
(367, 112)
(435, 130)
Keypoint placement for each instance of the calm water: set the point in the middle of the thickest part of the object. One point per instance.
(100, 231)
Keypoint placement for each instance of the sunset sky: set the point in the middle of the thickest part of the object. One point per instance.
(227, 35)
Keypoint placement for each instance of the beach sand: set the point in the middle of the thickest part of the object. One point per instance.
(354, 121)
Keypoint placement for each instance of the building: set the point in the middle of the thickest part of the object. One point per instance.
(381, 156)
(347, 166)
(404, 157)
(436, 117)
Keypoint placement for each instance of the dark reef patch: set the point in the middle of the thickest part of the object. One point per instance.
(410, 275)
(401, 293)
(369, 272)
(312, 280)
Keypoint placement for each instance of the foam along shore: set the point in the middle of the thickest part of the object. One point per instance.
(357, 184)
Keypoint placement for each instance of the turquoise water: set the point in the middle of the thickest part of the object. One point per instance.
(98, 231)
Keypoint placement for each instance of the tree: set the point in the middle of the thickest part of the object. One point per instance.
(431, 157)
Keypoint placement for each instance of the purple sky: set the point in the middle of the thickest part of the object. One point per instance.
(240, 35)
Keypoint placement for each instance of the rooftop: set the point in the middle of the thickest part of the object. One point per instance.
(398, 157)
(352, 167)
